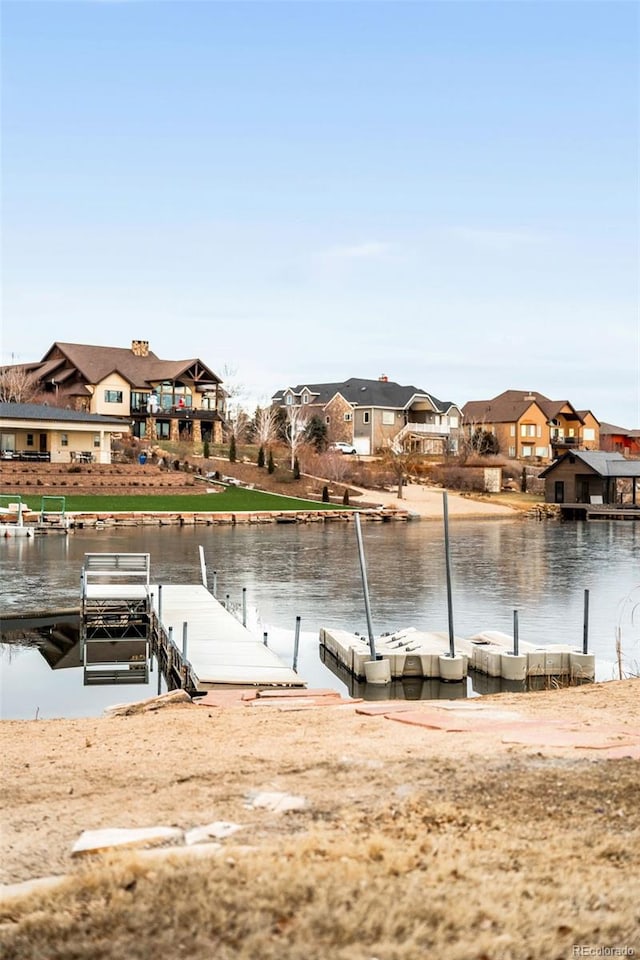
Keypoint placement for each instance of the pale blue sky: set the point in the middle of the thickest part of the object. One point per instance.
(443, 192)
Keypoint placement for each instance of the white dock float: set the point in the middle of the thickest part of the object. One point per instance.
(416, 653)
(219, 649)
(410, 653)
(490, 652)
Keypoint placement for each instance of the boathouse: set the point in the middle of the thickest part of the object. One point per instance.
(592, 477)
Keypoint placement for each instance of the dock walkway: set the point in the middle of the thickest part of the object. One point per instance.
(219, 649)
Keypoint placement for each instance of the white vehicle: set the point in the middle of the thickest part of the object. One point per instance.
(341, 447)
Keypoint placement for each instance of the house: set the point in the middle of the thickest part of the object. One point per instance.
(592, 476)
(33, 431)
(620, 440)
(161, 399)
(372, 414)
(529, 425)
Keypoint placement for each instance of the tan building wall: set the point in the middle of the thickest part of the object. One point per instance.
(527, 438)
(338, 415)
(115, 384)
(591, 433)
(387, 424)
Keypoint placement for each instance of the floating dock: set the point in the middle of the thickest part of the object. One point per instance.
(413, 653)
(215, 648)
(409, 653)
(201, 644)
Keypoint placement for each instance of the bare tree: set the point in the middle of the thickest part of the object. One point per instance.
(237, 425)
(265, 425)
(399, 461)
(294, 430)
(17, 385)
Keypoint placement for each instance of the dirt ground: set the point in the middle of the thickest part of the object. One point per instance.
(409, 841)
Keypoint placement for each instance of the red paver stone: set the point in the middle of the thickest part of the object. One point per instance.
(385, 708)
(302, 692)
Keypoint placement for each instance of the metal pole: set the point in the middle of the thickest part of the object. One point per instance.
(160, 603)
(184, 641)
(365, 587)
(215, 582)
(516, 638)
(585, 627)
(203, 565)
(296, 644)
(244, 606)
(447, 558)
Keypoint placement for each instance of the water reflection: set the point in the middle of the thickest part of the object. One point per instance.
(540, 569)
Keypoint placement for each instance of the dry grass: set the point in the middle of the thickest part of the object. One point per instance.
(414, 844)
(417, 878)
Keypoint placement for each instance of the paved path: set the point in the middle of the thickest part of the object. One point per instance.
(427, 501)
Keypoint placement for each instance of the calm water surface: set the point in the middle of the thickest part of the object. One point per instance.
(540, 569)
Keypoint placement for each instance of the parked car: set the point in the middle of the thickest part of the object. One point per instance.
(341, 447)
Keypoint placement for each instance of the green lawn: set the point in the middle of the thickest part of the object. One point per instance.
(231, 500)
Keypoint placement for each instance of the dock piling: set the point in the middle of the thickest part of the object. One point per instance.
(585, 624)
(365, 586)
(215, 583)
(203, 566)
(244, 606)
(296, 645)
(445, 507)
(264, 638)
(160, 602)
(516, 638)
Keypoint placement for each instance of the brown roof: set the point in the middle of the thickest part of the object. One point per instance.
(94, 363)
(511, 405)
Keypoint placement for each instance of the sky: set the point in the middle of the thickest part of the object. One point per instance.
(445, 193)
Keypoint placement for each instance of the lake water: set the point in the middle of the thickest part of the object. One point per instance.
(540, 569)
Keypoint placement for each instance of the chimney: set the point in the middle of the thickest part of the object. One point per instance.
(383, 378)
(530, 396)
(140, 348)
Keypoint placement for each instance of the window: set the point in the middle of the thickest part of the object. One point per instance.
(527, 429)
(162, 429)
(29, 439)
(348, 417)
(96, 439)
(588, 433)
(388, 417)
(541, 451)
(453, 423)
(512, 451)
(366, 416)
(288, 400)
(327, 419)
(527, 450)
(113, 396)
(305, 398)
(139, 401)
(512, 430)
(64, 439)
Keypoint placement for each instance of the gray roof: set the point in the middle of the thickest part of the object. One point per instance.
(600, 462)
(366, 393)
(41, 411)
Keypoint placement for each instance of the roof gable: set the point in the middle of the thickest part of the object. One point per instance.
(362, 392)
(598, 461)
(95, 363)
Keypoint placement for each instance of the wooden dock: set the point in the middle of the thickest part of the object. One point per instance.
(599, 511)
(214, 647)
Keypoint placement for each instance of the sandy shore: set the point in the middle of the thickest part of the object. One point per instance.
(507, 831)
